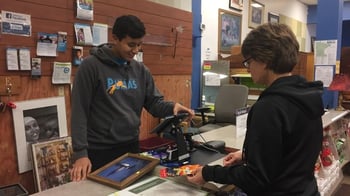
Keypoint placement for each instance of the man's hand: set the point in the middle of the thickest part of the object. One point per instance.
(180, 108)
(81, 168)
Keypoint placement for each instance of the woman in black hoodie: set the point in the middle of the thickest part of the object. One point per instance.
(284, 126)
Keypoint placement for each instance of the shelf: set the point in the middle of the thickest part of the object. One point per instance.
(331, 116)
(157, 44)
(157, 40)
(329, 177)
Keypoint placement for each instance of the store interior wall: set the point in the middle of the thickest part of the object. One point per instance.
(290, 8)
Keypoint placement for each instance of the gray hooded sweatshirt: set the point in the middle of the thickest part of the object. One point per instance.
(107, 99)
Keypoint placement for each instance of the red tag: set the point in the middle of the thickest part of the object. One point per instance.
(163, 173)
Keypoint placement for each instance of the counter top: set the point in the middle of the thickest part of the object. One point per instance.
(226, 134)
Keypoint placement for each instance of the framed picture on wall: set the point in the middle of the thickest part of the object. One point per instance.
(256, 14)
(272, 17)
(230, 26)
(34, 121)
(236, 5)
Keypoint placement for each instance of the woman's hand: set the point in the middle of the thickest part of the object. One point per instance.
(196, 176)
(232, 158)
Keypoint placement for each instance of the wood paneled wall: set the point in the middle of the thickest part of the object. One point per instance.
(172, 71)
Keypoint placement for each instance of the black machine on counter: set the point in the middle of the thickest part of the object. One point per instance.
(180, 152)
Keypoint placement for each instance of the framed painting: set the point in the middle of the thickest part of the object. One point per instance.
(124, 170)
(34, 121)
(256, 14)
(236, 5)
(230, 26)
(51, 162)
(272, 17)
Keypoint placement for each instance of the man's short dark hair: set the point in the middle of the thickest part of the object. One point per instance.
(128, 25)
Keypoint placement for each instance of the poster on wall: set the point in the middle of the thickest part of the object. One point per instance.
(12, 58)
(325, 52)
(24, 58)
(83, 34)
(77, 53)
(15, 23)
(62, 41)
(46, 44)
(36, 68)
(324, 73)
(61, 72)
(99, 33)
(85, 9)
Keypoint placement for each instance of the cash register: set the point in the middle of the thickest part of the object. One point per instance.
(178, 153)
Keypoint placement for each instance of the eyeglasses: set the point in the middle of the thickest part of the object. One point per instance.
(245, 63)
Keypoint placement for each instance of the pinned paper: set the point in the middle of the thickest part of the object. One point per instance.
(24, 58)
(100, 33)
(12, 58)
(36, 67)
(61, 73)
(46, 44)
(62, 42)
(212, 80)
(83, 34)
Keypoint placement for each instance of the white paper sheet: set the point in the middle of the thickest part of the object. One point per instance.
(325, 74)
(24, 59)
(61, 73)
(12, 58)
(99, 33)
(46, 44)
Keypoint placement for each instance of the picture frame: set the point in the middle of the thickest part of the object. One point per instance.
(236, 5)
(124, 170)
(256, 14)
(273, 18)
(34, 121)
(229, 31)
(52, 160)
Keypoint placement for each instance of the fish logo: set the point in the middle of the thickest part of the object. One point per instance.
(118, 85)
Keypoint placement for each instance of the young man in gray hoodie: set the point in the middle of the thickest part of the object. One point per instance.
(110, 89)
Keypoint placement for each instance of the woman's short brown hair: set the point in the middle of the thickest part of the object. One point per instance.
(274, 44)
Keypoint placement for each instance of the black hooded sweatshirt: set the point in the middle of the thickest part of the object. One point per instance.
(283, 140)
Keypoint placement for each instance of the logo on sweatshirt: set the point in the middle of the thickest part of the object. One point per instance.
(113, 85)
